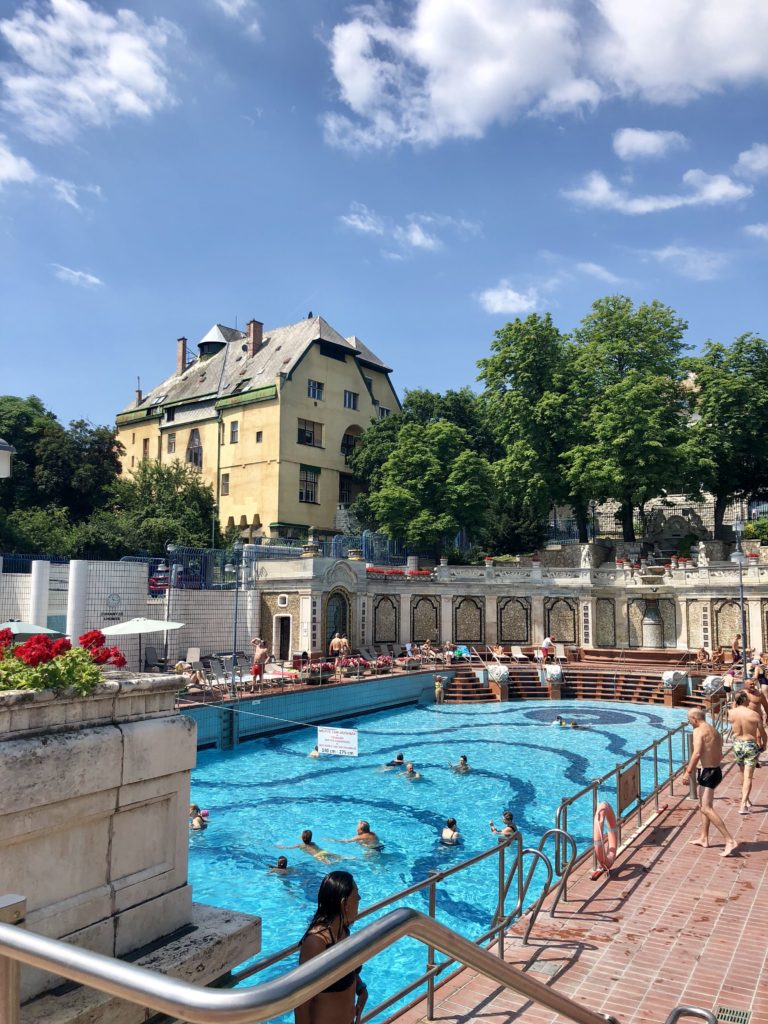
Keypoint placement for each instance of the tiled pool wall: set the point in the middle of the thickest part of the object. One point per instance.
(226, 724)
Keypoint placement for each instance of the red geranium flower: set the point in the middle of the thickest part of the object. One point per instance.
(6, 638)
(60, 646)
(93, 638)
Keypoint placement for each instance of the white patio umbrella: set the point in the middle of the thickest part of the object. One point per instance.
(24, 630)
(140, 626)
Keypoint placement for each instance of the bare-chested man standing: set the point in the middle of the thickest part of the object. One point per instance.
(707, 754)
(748, 740)
(757, 701)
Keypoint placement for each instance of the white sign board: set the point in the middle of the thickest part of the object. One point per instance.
(337, 741)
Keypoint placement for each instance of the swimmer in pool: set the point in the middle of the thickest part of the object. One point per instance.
(450, 834)
(364, 836)
(280, 867)
(314, 752)
(397, 762)
(310, 847)
(410, 773)
(509, 827)
(462, 766)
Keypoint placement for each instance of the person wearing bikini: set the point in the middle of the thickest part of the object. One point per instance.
(707, 756)
(343, 1001)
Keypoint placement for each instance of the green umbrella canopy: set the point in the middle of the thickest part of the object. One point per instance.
(24, 630)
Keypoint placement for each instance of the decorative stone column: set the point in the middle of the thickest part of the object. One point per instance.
(446, 618)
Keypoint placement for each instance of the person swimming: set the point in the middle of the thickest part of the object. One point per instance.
(364, 836)
(462, 766)
(410, 773)
(309, 846)
(397, 762)
(450, 835)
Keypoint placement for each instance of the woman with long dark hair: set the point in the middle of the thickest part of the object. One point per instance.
(342, 1002)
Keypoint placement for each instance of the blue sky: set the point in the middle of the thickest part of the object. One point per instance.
(418, 173)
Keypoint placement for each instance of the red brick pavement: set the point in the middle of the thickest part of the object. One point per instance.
(673, 924)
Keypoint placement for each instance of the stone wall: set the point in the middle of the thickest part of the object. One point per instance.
(93, 818)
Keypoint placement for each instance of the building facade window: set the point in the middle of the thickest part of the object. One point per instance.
(259, 436)
(308, 480)
(345, 489)
(145, 448)
(194, 449)
(171, 444)
(224, 484)
(234, 432)
(315, 390)
(170, 415)
(310, 433)
(350, 399)
(383, 413)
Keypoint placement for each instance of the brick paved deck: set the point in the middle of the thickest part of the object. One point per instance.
(673, 924)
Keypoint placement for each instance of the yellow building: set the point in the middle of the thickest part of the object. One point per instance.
(269, 418)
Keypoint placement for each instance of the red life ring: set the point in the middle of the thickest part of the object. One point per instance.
(605, 846)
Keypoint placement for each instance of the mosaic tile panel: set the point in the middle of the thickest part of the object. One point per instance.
(605, 624)
(694, 637)
(560, 619)
(514, 620)
(469, 620)
(425, 619)
(386, 613)
(726, 622)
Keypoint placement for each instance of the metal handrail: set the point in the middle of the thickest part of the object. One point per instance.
(719, 721)
(212, 1006)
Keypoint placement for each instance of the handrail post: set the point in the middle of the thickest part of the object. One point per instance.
(671, 765)
(502, 889)
(640, 788)
(13, 910)
(656, 776)
(594, 813)
(431, 956)
(565, 829)
(693, 788)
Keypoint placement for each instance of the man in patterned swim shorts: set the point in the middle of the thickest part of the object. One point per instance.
(707, 753)
(748, 741)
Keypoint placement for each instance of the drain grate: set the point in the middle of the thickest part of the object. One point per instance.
(729, 1016)
(550, 968)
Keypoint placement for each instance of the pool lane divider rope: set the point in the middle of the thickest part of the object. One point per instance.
(272, 718)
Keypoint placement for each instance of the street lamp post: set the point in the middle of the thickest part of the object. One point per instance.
(214, 510)
(235, 566)
(170, 550)
(738, 529)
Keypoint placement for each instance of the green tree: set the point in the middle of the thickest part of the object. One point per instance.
(626, 392)
(727, 442)
(531, 414)
(160, 503)
(432, 485)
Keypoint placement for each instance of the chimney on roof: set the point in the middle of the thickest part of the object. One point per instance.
(181, 355)
(139, 396)
(255, 336)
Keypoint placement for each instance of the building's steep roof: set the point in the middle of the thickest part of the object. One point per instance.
(233, 368)
(365, 354)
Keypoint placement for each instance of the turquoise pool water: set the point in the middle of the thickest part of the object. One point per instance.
(264, 793)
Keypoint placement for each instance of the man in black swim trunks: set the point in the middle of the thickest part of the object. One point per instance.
(707, 753)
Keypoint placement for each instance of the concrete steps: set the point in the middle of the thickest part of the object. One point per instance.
(466, 688)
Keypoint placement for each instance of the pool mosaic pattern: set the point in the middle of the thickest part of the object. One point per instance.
(265, 793)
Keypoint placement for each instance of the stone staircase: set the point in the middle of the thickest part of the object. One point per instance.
(466, 688)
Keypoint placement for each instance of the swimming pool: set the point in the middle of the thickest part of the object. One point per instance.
(266, 792)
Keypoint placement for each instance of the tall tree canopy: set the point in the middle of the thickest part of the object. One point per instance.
(728, 439)
(626, 389)
(432, 486)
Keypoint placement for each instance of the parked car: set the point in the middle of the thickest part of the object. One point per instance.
(183, 579)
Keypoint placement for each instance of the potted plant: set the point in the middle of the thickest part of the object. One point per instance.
(40, 663)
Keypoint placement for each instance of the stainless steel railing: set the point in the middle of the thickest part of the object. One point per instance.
(508, 873)
(280, 995)
(719, 721)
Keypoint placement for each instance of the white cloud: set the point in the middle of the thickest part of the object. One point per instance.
(415, 236)
(688, 261)
(704, 190)
(757, 230)
(451, 70)
(76, 66)
(360, 218)
(598, 271)
(244, 11)
(76, 277)
(68, 192)
(753, 162)
(504, 299)
(638, 143)
(14, 168)
(674, 52)
(418, 231)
